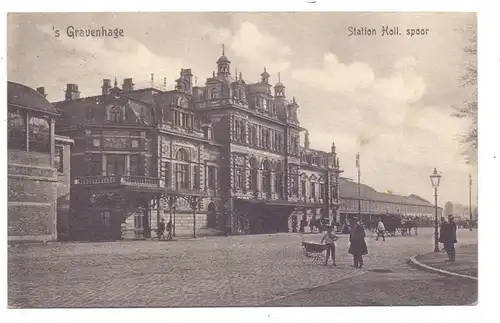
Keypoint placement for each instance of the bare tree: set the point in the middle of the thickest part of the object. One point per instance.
(469, 108)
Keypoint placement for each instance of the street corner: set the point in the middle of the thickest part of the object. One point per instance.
(465, 266)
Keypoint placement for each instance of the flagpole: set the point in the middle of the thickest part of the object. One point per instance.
(359, 186)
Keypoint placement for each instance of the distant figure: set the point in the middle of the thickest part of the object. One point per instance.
(416, 223)
(380, 230)
(303, 224)
(449, 237)
(329, 238)
(311, 225)
(358, 246)
(169, 230)
(161, 229)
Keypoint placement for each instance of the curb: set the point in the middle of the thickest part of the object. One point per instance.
(417, 264)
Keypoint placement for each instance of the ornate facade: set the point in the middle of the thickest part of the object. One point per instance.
(224, 157)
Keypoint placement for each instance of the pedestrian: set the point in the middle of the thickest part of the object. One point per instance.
(329, 238)
(169, 230)
(449, 237)
(380, 230)
(160, 232)
(311, 225)
(358, 246)
(416, 223)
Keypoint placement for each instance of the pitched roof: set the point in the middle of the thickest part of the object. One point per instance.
(349, 189)
(25, 97)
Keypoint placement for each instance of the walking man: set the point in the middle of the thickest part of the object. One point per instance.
(161, 229)
(329, 238)
(358, 246)
(449, 237)
(380, 230)
(169, 230)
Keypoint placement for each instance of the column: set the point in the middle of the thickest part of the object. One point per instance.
(127, 165)
(273, 186)
(103, 164)
(52, 141)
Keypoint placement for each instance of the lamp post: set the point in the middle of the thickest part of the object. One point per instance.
(470, 202)
(435, 180)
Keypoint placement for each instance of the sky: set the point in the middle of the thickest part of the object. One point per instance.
(389, 98)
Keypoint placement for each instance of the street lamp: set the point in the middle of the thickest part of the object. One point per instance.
(470, 202)
(435, 180)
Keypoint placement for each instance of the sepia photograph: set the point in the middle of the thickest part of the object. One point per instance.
(242, 159)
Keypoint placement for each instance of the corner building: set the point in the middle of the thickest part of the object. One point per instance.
(220, 158)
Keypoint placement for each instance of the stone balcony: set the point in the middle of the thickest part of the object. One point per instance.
(138, 182)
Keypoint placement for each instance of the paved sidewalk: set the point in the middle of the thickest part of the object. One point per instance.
(465, 264)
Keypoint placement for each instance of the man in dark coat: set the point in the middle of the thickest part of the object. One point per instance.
(449, 237)
(358, 246)
(161, 229)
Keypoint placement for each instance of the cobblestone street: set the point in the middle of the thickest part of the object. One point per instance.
(214, 271)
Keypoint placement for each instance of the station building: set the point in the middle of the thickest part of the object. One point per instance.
(220, 158)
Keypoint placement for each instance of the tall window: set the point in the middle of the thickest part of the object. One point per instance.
(240, 177)
(168, 175)
(278, 180)
(264, 104)
(303, 184)
(58, 159)
(39, 134)
(134, 165)
(115, 114)
(182, 170)
(266, 177)
(242, 132)
(253, 174)
(17, 130)
(96, 165)
(115, 164)
(295, 184)
(197, 177)
(322, 190)
(313, 189)
(211, 177)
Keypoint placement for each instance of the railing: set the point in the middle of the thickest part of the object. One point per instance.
(138, 181)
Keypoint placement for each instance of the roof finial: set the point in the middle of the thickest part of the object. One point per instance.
(195, 80)
(279, 77)
(152, 79)
(241, 77)
(293, 100)
(164, 84)
(236, 74)
(265, 70)
(116, 82)
(213, 73)
(222, 49)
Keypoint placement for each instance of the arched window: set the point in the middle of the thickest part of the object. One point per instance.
(214, 94)
(253, 174)
(264, 104)
(278, 179)
(17, 130)
(242, 131)
(266, 177)
(39, 134)
(182, 170)
(115, 114)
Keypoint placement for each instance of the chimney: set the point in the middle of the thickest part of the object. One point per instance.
(106, 86)
(128, 85)
(41, 90)
(306, 140)
(72, 92)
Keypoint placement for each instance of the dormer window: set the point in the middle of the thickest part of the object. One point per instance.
(214, 94)
(115, 114)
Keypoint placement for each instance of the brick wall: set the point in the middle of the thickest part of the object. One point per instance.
(32, 192)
